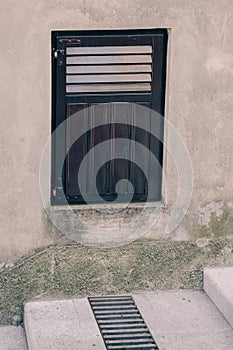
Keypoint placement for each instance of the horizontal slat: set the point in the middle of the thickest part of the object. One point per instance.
(121, 321)
(108, 87)
(108, 78)
(114, 312)
(118, 59)
(141, 68)
(127, 330)
(129, 341)
(133, 347)
(100, 310)
(135, 315)
(108, 50)
(127, 336)
(112, 304)
(123, 326)
(110, 298)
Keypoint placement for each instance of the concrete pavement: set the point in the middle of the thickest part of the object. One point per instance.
(177, 319)
(184, 319)
(62, 325)
(12, 338)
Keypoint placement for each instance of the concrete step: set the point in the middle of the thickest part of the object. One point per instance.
(61, 325)
(12, 338)
(218, 285)
(177, 320)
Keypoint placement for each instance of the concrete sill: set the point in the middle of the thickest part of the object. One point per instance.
(108, 207)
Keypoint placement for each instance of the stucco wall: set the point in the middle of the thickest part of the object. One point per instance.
(199, 103)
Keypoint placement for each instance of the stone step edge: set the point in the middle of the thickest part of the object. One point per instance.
(218, 285)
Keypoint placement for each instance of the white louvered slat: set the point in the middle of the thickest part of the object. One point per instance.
(108, 78)
(132, 68)
(117, 59)
(108, 69)
(105, 50)
(108, 87)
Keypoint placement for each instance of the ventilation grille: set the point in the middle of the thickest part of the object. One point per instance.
(121, 324)
(108, 69)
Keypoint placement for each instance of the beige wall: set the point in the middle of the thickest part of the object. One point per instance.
(199, 104)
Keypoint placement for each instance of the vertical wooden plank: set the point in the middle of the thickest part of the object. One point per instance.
(132, 132)
(98, 135)
(143, 138)
(156, 148)
(119, 167)
(78, 150)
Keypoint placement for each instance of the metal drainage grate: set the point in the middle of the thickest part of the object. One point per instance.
(121, 324)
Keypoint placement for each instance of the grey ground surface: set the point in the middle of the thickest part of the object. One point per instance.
(73, 271)
(12, 338)
(185, 320)
(177, 319)
(62, 325)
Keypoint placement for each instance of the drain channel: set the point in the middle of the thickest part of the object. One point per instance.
(121, 324)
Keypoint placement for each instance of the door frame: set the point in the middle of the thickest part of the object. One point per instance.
(59, 101)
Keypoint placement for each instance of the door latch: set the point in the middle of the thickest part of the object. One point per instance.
(57, 52)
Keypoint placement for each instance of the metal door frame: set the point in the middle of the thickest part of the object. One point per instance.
(61, 39)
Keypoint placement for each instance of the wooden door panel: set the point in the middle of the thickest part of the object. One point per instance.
(109, 173)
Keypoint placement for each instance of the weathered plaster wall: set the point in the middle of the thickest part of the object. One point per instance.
(199, 104)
